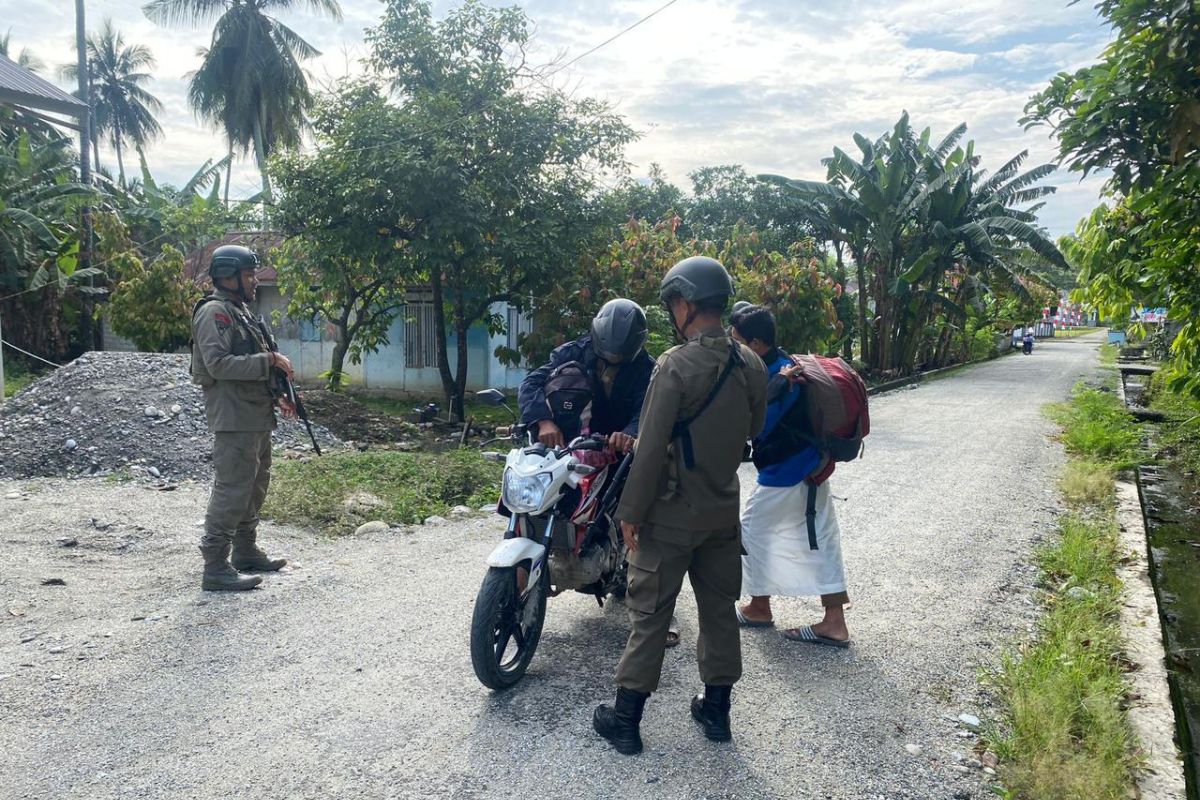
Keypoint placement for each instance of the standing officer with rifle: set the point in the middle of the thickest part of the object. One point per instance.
(243, 378)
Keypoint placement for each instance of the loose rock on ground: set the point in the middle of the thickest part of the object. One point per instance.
(103, 414)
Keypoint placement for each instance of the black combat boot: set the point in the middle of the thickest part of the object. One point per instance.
(219, 574)
(619, 723)
(711, 710)
(247, 557)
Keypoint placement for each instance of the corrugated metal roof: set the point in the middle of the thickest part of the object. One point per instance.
(20, 86)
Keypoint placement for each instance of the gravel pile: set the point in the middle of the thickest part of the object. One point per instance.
(106, 413)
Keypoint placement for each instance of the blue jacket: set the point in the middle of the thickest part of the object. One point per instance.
(620, 412)
(782, 394)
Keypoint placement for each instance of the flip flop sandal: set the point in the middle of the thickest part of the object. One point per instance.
(673, 633)
(807, 634)
(746, 622)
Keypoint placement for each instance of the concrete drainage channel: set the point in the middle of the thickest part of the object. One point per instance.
(1163, 536)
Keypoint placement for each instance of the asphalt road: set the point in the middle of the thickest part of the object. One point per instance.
(349, 675)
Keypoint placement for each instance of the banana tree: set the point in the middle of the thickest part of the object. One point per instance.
(911, 214)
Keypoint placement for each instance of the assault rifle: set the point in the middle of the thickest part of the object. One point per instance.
(281, 385)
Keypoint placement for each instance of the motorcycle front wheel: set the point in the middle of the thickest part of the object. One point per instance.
(506, 626)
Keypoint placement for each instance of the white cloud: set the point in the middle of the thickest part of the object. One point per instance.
(772, 84)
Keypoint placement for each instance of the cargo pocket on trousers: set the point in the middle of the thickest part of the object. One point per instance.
(644, 580)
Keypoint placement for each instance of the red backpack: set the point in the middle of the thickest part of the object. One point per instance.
(833, 414)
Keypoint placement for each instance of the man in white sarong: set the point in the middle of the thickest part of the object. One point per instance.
(783, 556)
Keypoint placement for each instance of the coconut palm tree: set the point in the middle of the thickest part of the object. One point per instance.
(124, 110)
(250, 83)
(25, 58)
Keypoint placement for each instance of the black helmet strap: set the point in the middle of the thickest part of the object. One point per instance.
(681, 331)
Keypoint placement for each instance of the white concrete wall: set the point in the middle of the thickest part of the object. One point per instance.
(386, 368)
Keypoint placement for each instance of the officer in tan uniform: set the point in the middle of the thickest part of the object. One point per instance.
(680, 508)
(231, 361)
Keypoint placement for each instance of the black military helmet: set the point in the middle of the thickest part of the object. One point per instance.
(230, 259)
(740, 306)
(699, 280)
(619, 330)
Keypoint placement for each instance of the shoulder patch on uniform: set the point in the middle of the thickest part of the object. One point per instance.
(219, 317)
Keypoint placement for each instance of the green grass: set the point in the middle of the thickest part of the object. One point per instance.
(1179, 440)
(1108, 355)
(412, 486)
(1096, 427)
(16, 378)
(1064, 735)
(1087, 484)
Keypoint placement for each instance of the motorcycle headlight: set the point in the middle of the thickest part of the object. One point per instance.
(524, 493)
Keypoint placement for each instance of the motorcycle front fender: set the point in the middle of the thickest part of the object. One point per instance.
(511, 552)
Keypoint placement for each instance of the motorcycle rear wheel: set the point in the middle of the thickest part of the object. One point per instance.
(501, 646)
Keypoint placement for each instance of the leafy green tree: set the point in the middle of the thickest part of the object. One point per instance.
(499, 177)
(250, 83)
(792, 284)
(925, 226)
(724, 197)
(124, 110)
(39, 239)
(187, 217)
(345, 208)
(630, 199)
(1136, 112)
(152, 304)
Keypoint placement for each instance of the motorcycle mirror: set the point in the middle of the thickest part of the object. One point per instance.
(491, 397)
(582, 469)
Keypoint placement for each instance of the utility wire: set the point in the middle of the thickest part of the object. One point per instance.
(27, 353)
(489, 104)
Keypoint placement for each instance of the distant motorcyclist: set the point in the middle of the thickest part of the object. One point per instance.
(1027, 343)
(608, 369)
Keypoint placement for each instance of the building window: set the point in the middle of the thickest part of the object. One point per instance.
(420, 334)
(520, 324)
(310, 329)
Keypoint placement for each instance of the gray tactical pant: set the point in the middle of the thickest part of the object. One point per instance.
(242, 467)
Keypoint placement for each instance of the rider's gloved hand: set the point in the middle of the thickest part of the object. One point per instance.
(550, 434)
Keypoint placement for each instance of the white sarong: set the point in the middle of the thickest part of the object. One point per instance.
(779, 561)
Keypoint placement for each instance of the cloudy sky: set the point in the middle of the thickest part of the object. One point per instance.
(771, 84)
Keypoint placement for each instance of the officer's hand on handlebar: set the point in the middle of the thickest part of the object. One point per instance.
(282, 362)
(620, 442)
(550, 434)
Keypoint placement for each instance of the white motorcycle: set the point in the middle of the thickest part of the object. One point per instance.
(561, 536)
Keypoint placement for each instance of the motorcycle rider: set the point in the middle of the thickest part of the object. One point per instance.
(613, 358)
(680, 508)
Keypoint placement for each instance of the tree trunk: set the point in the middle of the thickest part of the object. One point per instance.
(443, 354)
(260, 156)
(96, 152)
(120, 158)
(338, 363)
(458, 407)
(848, 340)
(864, 333)
(88, 333)
(908, 357)
(228, 173)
